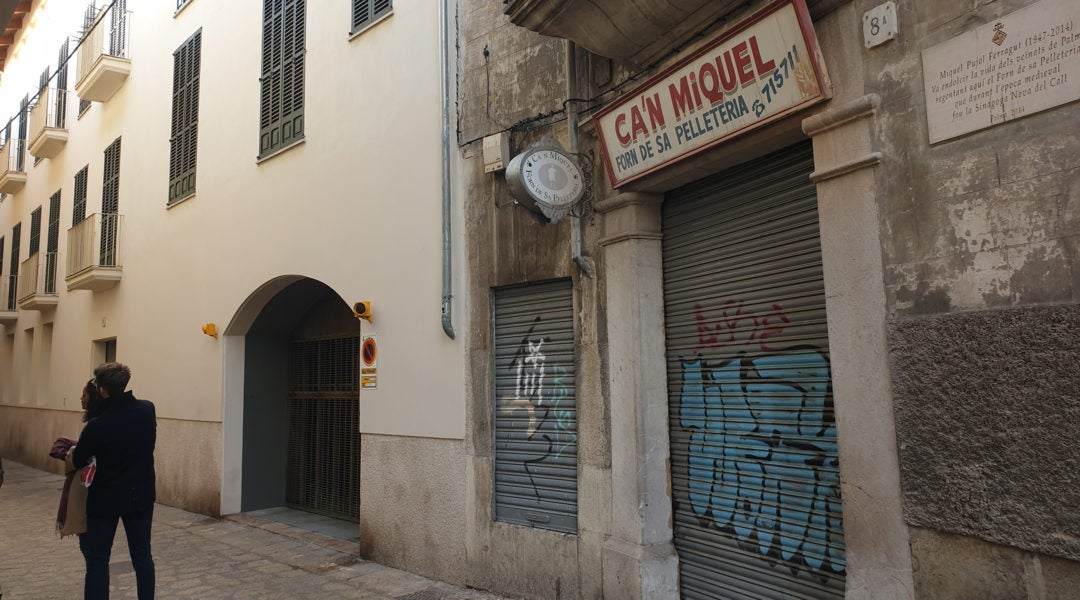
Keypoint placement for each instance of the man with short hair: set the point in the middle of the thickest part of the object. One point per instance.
(122, 441)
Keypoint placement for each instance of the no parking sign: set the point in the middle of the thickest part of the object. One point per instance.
(369, 358)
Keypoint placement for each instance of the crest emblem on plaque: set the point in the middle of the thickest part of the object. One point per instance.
(999, 34)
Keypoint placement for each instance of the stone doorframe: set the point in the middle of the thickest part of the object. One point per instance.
(639, 560)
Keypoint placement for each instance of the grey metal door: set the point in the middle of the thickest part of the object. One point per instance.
(536, 408)
(755, 477)
(323, 455)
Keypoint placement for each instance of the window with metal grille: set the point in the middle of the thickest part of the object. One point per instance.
(13, 270)
(323, 473)
(535, 406)
(185, 118)
(52, 244)
(281, 106)
(78, 206)
(35, 231)
(366, 12)
(110, 204)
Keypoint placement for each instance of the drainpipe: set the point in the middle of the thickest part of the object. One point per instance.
(447, 289)
(572, 121)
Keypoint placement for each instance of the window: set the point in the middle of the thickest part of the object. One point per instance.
(20, 146)
(78, 207)
(185, 118)
(35, 231)
(281, 109)
(52, 244)
(366, 12)
(110, 204)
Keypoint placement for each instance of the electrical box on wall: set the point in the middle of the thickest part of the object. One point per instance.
(496, 152)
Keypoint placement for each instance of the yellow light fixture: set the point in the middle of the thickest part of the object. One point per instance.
(210, 329)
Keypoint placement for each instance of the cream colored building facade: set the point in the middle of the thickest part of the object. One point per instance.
(272, 249)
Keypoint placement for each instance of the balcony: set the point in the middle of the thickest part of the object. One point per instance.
(8, 312)
(93, 259)
(12, 166)
(37, 282)
(48, 123)
(104, 64)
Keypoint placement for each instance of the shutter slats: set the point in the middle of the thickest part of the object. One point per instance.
(184, 142)
(535, 471)
(755, 477)
(78, 207)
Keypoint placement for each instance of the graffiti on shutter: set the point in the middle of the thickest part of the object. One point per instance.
(535, 412)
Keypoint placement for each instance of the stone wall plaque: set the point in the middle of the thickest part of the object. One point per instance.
(1023, 63)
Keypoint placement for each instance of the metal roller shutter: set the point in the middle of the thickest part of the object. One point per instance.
(755, 478)
(536, 408)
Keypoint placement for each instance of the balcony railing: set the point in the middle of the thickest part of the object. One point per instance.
(48, 123)
(12, 166)
(104, 63)
(37, 281)
(8, 311)
(93, 259)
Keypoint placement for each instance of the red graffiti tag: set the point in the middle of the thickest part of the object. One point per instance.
(734, 323)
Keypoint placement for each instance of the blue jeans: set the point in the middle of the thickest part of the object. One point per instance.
(96, 545)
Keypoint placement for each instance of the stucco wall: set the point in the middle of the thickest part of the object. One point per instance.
(412, 507)
(187, 457)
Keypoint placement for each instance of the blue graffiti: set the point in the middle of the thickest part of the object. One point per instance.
(762, 455)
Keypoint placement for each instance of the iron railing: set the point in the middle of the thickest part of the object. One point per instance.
(38, 276)
(49, 111)
(109, 36)
(94, 242)
(13, 156)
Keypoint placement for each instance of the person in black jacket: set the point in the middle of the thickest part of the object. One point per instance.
(121, 441)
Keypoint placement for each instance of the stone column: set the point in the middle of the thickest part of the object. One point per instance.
(639, 560)
(875, 536)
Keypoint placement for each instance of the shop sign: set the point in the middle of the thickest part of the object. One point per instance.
(763, 69)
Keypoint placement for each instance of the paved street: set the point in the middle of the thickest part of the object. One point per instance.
(196, 556)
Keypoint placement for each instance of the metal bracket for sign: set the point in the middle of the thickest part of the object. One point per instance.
(587, 162)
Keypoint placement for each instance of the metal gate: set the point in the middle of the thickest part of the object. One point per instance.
(536, 408)
(323, 472)
(755, 478)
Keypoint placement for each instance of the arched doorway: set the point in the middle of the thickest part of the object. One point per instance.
(291, 416)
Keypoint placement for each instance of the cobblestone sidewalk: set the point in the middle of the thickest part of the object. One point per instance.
(195, 556)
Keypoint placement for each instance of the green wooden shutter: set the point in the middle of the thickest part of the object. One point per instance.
(35, 231)
(61, 86)
(52, 244)
(88, 23)
(185, 117)
(13, 271)
(281, 118)
(78, 207)
(110, 204)
(365, 12)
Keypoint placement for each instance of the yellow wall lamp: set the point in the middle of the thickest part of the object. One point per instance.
(210, 329)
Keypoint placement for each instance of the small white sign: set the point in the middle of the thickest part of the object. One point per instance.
(879, 24)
